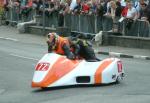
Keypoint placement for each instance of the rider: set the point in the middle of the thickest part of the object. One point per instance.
(83, 48)
(59, 45)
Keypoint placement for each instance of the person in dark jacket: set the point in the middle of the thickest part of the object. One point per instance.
(83, 49)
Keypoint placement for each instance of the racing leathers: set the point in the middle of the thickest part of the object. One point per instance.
(83, 48)
(60, 45)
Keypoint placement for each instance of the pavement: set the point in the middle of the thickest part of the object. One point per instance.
(11, 33)
(123, 52)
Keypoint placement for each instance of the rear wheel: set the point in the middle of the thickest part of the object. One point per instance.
(118, 80)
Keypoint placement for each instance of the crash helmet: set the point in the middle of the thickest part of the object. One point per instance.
(53, 38)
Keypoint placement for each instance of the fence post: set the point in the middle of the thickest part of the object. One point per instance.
(95, 23)
(18, 9)
(64, 20)
(79, 23)
(148, 29)
(139, 26)
(123, 29)
(11, 15)
(43, 17)
(148, 24)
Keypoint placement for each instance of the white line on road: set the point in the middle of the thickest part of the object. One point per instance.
(24, 57)
(11, 39)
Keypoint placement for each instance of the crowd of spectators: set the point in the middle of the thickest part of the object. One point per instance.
(139, 9)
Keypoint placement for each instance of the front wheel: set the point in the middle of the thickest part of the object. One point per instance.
(44, 88)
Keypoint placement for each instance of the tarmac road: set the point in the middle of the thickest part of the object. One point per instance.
(17, 61)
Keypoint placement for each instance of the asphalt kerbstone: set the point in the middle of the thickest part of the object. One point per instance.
(147, 58)
(126, 56)
(121, 55)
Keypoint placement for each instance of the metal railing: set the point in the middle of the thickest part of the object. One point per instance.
(13, 14)
(83, 23)
(94, 24)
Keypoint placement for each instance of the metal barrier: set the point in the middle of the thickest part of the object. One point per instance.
(93, 24)
(13, 14)
(51, 21)
(85, 23)
(75, 23)
(88, 23)
(107, 23)
(139, 28)
(144, 29)
(67, 20)
(99, 23)
(8, 15)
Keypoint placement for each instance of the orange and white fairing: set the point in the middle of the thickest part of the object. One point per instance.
(56, 70)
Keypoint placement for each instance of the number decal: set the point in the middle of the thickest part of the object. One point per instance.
(42, 67)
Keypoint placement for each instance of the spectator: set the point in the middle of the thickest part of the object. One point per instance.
(137, 5)
(118, 9)
(114, 10)
(142, 9)
(106, 5)
(23, 3)
(6, 5)
(78, 8)
(130, 13)
(49, 7)
(93, 7)
(26, 7)
(39, 4)
(61, 10)
(85, 7)
(16, 3)
(16, 7)
(100, 9)
(67, 6)
(123, 3)
(146, 14)
(74, 4)
(34, 6)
